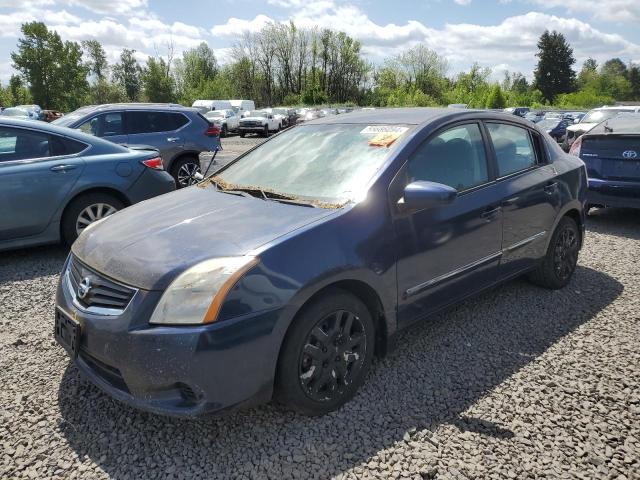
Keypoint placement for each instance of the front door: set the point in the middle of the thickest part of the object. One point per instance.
(448, 252)
(34, 180)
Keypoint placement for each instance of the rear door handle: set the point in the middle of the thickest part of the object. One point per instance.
(551, 187)
(62, 168)
(173, 139)
(490, 212)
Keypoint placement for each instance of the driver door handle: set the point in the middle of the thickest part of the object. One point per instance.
(173, 139)
(62, 168)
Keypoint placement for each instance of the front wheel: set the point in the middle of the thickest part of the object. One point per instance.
(266, 131)
(326, 354)
(224, 131)
(85, 210)
(561, 259)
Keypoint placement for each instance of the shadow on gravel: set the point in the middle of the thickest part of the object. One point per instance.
(441, 368)
(621, 222)
(30, 263)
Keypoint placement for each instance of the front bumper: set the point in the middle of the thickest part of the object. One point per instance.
(256, 129)
(177, 371)
(613, 194)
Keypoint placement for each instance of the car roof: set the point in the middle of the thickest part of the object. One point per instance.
(136, 106)
(413, 116)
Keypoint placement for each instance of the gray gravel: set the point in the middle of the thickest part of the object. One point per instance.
(518, 383)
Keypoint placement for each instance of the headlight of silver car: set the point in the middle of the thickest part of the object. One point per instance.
(197, 295)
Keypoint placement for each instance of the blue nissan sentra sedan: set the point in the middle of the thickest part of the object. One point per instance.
(281, 276)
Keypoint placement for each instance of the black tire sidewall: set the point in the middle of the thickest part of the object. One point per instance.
(289, 392)
(552, 279)
(175, 168)
(71, 212)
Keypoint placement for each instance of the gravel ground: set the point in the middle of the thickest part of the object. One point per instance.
(519, 382)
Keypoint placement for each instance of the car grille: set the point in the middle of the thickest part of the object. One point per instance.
(93, 292)
(251, 124)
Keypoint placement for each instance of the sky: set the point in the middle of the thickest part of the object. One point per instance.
(499, 34)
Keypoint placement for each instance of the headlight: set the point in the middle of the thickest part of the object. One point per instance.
(195, 297)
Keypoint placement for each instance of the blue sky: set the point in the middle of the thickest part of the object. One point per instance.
(499, 34)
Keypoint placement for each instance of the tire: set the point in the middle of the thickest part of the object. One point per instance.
(224, 132)
(266, 131)
(184, 169)
(557, 267)
(242, 134)
(317, 341)
(98, 204)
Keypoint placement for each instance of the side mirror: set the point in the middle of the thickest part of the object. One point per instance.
(421, 194)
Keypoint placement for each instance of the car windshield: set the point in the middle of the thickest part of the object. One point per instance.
(280, 111)
(257, 113)
(15, 112)
(214, 114)
(71, 118)
(549, 123)
(597, 116)
(327, 164)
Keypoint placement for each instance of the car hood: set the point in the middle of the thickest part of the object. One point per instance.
(151, 243)
(253, 119)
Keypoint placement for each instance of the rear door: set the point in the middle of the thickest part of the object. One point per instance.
(37, 171)
(158, 129)
(108, 125)
(530, 192)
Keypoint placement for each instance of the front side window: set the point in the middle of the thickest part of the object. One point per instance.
(104, 125)
(455, 157)
(513, 147)
(325, 163)
(19, 144)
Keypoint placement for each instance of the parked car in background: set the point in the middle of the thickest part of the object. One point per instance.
(329, 111)
(15, 112)
(35, 111)
(204, 106)
(534, 117)
(242, 106)
(591, 119)
(51, 115)
(280, 114)
(611, 152)
(55, 181)
(556, 127)
(179, 133)
(412, 210)
(227, 120)
(574, 117)
(309, 114)
(458, 105)
(288, 115)
(260, 122)
(519, 111)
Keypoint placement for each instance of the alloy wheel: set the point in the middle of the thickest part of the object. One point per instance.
(186, 174)
(93, 213)
(332, 356)
(565, 255)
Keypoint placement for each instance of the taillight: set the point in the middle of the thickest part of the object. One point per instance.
(575, 147)
(155, 163)
(212, 131)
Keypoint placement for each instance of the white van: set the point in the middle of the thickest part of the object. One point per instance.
(207, 105)
(242, 106)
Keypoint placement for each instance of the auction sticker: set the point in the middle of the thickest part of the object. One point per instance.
(383, 135)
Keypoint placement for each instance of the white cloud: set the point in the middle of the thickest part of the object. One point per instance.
(462, 2)
(627, 11)
(235, 27)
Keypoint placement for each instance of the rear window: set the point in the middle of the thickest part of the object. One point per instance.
(151, 122)
(623, 124)
(65, 146)
(597, 116)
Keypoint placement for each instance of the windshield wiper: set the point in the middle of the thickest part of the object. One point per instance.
(273, 196)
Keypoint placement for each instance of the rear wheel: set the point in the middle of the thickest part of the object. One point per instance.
(224, 131)
(242, 134)
(184, 171)
(266, 131)
(561, 259)
(326, 355)
(85, 210)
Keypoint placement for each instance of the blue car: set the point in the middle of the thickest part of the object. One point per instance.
(307, 255)
(611, 151)
(54, 181)
(556, 127)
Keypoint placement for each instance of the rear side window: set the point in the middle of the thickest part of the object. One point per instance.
(178, 120)
(150, 122)
(513, 147)
(455, 157)
(65, 146)
(104, 125)
(21, 144)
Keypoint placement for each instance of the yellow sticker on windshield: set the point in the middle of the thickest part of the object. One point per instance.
(383, 135)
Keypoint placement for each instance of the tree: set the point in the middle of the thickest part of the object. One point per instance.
(495, 99)
(18, 93)
(614, 67)
(127, 73)
(97, 62)
(634, 81)
(589, 73)
(158, 83)
(554, 74)
(52, 68)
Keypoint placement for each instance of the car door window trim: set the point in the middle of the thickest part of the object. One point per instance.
(41, 159)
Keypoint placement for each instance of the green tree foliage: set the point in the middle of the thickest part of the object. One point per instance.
(96, 63)
(127, 73)
(18, 93)
(53, 69)
(554, 74)
(496, 99)
(158, 84)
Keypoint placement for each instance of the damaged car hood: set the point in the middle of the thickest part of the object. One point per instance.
(151, 243)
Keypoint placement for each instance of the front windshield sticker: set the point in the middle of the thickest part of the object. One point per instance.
(383, 135)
